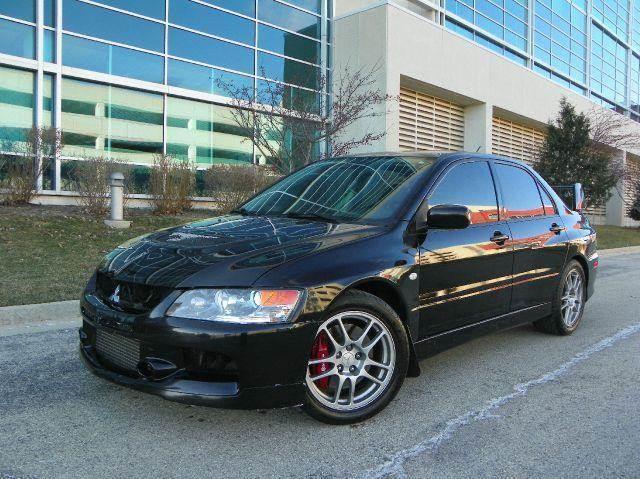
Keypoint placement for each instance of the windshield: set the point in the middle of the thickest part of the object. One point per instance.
(357, 189)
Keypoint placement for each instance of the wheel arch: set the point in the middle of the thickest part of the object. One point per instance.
(389, 293)
(585, 266)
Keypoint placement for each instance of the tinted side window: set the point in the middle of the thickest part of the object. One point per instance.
(549, 207)
(520, 192)
(470, 185)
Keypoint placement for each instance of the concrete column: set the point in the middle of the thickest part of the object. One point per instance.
(478, 122)
(616, 209)
(117, 203)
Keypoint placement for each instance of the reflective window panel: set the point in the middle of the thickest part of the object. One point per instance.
(16, 106)
(205, 133)
(504, 19)
(111, 121)
(205, 79)
(99, 22)
(212, 21)
(634, 99)
(245, 7)
(211, 51)
(50, 13)
(148, 8)
(288, 44)
(22, 9)
(114, 60)
(288, 71)
(289, 18)
(614, 14)
(47, 100)
(17, 39)
(608, 66)
(49, 46)
(560, 39)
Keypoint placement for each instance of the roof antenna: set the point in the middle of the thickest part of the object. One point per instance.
(478, 150)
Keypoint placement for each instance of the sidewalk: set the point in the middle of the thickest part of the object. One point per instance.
(31, 318)
(66, 314)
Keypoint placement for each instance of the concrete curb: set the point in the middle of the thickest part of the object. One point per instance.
(45, 314)
(618, 251)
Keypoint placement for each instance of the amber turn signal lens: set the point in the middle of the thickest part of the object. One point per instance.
(278, 297)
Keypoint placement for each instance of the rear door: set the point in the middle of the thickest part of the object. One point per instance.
(465, 275)
(540, 241)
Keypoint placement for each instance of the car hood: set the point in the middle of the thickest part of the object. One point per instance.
(229, 250)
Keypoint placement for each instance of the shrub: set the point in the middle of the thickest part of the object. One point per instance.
(231, 186)
(91, 181)
(634, 210)
(171, 185)
(20, 170)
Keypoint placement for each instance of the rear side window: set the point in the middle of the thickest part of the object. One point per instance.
(549, 206)
(520, 192)
(470, 185)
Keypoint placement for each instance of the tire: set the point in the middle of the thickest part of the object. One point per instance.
(349, 369)
(558, 322)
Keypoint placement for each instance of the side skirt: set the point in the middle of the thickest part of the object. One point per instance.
(441, 342)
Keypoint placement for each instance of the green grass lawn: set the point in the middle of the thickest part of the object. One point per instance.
(48, 253)
(617, 237)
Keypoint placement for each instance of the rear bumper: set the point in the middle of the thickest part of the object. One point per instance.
(593, 262)
(212, 364)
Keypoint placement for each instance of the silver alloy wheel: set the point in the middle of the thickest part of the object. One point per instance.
(359, 366)
(572, 298)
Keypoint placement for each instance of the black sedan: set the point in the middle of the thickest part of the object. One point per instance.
(328, 287)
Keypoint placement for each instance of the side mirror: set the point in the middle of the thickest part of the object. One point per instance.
(578, 197)
(449, 217)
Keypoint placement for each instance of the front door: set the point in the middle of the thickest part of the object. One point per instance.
(465, 275)
(539, 238)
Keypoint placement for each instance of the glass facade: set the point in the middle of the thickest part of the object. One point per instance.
(589, 46)
(131, 78)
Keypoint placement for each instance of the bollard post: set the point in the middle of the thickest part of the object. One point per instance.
(116, 181)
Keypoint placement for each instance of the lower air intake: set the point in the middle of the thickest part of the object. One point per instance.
(118, 350)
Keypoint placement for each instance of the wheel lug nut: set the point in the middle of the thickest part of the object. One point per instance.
(352, 369)
(340, 368)
(338, 355)
(349, 348)
(358, 355)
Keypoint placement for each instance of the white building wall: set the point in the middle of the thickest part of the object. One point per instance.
(418, 53)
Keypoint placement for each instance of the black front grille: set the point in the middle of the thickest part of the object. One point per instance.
(129, 297)
(118, 350)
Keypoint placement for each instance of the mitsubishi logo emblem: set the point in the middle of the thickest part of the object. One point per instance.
(115, 297)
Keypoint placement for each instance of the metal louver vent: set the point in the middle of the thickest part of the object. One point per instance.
(515, 140)
(429, 123)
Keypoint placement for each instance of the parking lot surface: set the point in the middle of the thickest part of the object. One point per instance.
(513, 404)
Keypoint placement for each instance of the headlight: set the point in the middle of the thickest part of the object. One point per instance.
(236, 305)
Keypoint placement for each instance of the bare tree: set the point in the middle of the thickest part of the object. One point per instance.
(290, 126)
(612, 131)
(24, 162)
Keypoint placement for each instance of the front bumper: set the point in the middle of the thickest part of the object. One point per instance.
(213, 364)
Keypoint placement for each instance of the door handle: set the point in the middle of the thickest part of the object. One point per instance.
(556, 228)
(499, 237)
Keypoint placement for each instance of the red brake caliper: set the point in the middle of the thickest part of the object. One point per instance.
(320, 350)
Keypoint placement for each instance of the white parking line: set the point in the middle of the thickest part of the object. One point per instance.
(394, 467)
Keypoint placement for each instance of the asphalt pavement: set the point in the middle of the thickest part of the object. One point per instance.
(516, 404)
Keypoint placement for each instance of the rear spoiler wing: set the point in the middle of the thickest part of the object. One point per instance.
(573, 196)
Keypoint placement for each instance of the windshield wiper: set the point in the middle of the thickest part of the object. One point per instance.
(310, 216)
